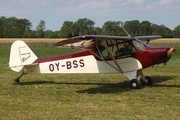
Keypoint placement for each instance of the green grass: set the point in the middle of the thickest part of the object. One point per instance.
(88, 96)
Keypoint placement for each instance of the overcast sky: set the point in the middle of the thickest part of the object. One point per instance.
(55, 12)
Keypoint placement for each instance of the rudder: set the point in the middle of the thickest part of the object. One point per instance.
(20, 55)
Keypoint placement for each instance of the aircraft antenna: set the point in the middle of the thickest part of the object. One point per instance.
(125, 31)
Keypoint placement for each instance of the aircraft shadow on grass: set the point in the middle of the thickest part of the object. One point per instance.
(106, 88)
(159, 79)
(122, 86)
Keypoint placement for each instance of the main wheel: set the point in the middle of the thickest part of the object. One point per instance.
(135, 84)
(148, 81)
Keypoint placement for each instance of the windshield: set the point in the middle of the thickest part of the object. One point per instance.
(139, 44)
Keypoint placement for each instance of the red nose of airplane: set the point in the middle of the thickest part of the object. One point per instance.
(170, 51)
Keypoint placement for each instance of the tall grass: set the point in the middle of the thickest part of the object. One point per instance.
(170, 42)
(31, 42)
(88, 96)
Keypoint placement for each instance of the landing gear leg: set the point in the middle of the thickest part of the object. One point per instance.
(137, 79)
(17, 80)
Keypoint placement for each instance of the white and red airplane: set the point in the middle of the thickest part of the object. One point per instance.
(100, 54)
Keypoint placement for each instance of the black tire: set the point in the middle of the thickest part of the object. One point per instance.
(148, 81)
(135, 84)
(16, 81)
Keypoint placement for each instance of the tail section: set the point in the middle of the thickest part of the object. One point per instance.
(20, 55)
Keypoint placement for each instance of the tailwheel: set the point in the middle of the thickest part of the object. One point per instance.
(135, 84)
(16, 80)
(147, 81)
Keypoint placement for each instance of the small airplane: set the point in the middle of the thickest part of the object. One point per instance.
(99, 54)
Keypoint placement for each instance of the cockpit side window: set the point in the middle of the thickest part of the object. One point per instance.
(124, 49)
(116, 47)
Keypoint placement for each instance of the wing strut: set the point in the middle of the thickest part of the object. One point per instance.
(99, 57)
(112, 56)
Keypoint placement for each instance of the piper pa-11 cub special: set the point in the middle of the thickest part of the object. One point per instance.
(100, 54)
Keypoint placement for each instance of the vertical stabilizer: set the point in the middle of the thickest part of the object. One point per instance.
(20, 55)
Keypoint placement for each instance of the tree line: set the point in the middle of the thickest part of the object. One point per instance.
(21, 28)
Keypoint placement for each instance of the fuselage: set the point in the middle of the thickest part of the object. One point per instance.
(86, 62)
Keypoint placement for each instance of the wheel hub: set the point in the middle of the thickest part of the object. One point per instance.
(134, 84)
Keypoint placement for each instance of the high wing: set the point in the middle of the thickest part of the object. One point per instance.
(80, 39)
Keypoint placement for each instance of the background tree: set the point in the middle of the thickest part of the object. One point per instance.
(48, 34)
(166, 32)
(132, 27)
(28, 34)
(145, 28)
(13, 27)
(10, 25)
(112, 28)
(84, 26)
(161, 30)
(40, 29)
(2, 25)
(67, 30)
(98, 30)
(18, 28)
(24, 25)
(176, 32)
(56, 34)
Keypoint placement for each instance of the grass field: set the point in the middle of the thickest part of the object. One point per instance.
(89, 96)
